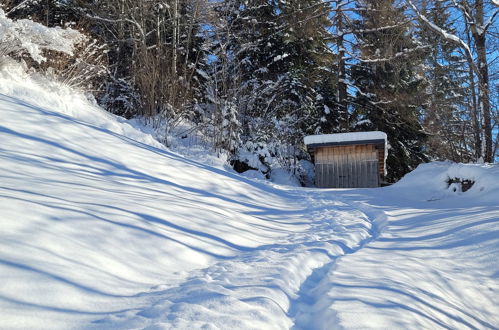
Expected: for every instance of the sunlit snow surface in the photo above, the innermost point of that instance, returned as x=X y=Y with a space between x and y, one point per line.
x=102 y=228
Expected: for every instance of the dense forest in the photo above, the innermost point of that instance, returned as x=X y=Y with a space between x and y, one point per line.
x=255 y=77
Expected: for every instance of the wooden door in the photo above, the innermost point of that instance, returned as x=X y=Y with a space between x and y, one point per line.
x=347 y=167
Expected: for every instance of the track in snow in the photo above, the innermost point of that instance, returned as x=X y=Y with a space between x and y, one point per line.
x=102 y=228
x=266 y=287
x=434 y=265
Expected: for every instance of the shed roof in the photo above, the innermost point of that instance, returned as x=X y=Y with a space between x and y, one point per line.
x=346 y=138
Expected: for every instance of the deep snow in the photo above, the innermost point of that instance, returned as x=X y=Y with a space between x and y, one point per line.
x=102 y=227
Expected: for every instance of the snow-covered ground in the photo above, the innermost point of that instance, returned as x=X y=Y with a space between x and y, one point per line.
x=102 y=227
x=433 y=264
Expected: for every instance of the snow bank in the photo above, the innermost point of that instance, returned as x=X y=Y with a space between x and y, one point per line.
x=345 y=137
x=37 y=90
x=283 y=177
x=431 y=181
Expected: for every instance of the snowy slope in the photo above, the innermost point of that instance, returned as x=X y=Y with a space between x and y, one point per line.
x=104 y=228
x=101 y=230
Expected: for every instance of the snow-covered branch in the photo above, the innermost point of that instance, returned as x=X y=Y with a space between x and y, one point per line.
x=22 y=5
x=27 y=36
x=446 y=35
x=382 y=28
x=119 y=20
x=477 y=27
x=396 y=55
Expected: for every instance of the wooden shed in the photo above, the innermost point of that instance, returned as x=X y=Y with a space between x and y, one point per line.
x=348 y=160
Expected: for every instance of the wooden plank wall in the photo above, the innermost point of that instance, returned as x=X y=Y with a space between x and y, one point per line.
x=353 y=166
x=381 y=158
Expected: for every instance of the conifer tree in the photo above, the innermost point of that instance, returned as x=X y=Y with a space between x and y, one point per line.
x=342 y=29
x=276 y=61
x=446 y=118
x=390 y=88
x=306 y=45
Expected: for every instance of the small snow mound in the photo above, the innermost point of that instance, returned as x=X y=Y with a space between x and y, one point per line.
x=283 y=177
x=436 y=180
x=253 y=174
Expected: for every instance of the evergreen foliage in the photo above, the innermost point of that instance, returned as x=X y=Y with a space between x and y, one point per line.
x=256 y=76
x=446 y=116
x=390 y=88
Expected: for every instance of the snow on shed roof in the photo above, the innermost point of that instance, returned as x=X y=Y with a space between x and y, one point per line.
x=344 y=138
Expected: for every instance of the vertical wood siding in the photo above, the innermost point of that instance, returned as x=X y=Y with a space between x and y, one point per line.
x=355 y=166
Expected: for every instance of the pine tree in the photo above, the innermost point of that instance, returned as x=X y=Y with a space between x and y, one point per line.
x=272 y=61
x=390 y=88
x=446 y=118
x=274 y=55
x=341 y=27
x=474 y=19
x=306 y=44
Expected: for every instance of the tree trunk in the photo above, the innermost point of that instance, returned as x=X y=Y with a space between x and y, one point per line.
x=483 y=80
x=175 y=38
x=474 y=111
x=342 y=86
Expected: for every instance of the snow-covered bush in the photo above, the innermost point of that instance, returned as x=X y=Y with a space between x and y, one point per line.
x=274 y=145
x=120 y=97
x=272 y=157
x=25 y=37
x=255 y=155
x=85 y=70
x=65 y=55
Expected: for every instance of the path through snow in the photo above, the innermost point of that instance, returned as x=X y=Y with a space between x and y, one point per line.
x=262 y=288
x=104 y=228
x=145 y=237
x=433 y=265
